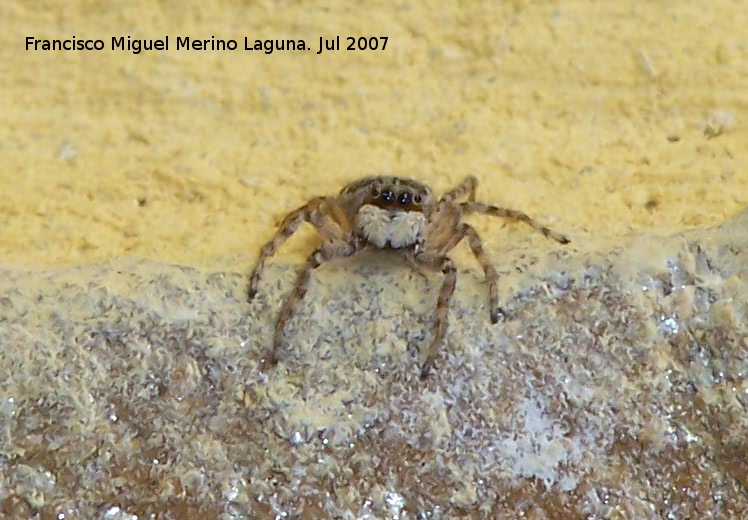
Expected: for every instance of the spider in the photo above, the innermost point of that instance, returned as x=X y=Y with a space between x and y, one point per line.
x=395 y=214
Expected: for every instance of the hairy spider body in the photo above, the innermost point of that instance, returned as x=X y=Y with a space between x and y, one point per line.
x=395 y=214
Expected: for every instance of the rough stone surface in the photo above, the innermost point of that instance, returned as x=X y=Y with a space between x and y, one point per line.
x=616 y=388
x=602 y=116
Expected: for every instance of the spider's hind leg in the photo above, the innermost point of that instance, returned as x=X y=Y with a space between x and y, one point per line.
x=466 y=187
x=513 y=214
x=492 y=277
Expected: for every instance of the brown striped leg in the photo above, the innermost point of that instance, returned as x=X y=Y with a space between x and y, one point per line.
x=445 y=265
x=479 y=207
x=325 y=253
x=466 y=187
x=492 y=277
x=309 y=212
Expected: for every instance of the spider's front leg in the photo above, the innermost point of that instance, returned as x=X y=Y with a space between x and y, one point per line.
x=310 y=212
x=443 y=264
x=327 y=252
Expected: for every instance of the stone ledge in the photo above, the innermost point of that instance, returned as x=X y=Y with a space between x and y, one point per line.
x=616 y=388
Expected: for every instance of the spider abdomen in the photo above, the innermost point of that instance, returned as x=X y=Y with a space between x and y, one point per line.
x=386 y=228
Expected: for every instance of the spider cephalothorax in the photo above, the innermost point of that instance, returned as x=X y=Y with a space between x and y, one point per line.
x=399 y=215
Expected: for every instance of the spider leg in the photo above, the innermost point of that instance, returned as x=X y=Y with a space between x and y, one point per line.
x=479 y=207
x=492 y=277
x=466 y=187
x=443 y=264
x=311 y=212
x=327 y=252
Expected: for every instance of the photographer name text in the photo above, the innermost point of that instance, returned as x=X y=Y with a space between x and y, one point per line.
x=187 y=43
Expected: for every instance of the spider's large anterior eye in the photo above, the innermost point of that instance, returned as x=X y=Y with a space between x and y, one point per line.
x=387 y=196
x=405 y=198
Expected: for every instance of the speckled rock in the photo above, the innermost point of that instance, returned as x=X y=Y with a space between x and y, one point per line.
x=616 y=388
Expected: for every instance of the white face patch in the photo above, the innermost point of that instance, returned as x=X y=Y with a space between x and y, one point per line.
x=384 y=228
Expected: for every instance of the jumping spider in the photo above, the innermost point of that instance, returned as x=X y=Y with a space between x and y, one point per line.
x=399 y=215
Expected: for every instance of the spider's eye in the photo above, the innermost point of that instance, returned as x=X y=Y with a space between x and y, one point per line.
x=387 y=196
x=417 y=198
x=405 y=198
x=375 y=192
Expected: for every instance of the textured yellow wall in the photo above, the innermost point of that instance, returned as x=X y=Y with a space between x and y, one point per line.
x=597 y=117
